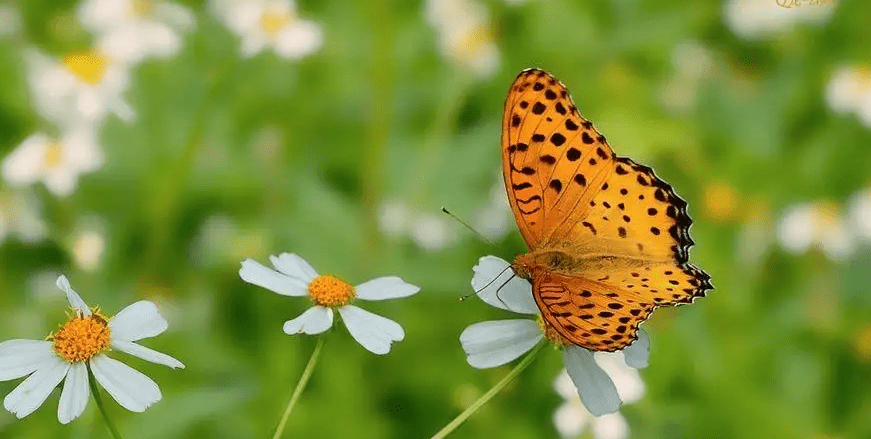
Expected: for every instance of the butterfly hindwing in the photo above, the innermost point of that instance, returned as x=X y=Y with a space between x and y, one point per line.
x=589 y=313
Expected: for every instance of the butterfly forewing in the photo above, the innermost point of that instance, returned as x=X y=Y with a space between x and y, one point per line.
x=551 y=156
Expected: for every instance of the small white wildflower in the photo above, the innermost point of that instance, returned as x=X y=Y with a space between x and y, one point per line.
x=849 y=90
x=465 y=35
x=494 y=343
x=271 y=24
x=83 y=88
x=55 y=162
x=816 y=224
x=295 y=277
x=79 y=345
x=572 y=417
x=21 y=216
x=130 y=31
x=758 y=19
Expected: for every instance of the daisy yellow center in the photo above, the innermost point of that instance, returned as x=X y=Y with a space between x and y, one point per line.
x=551 y=334
x=89 y=67
x=272 y=22
x=81 y=338
x=142 y=8
x=478 y=37
x=53 y=155
x=330 y=291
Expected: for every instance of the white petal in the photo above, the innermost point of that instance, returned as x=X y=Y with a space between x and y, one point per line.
x=637 y=354
x=75 y=300
x=373 y=332
x=611 y=426
x=627 y=380
x=33 y=391
x=137 y=321
x=507 y=291
x=74 y=397
x=299 y=40
x=570 y=418
x=494 y=343
x=595 y=387
x=254 y=273
x=314 y=320
x=294 y=266
x=146 y=354
x=22 y=357
x=130 y=388
x=24 y=165
x=390 y=287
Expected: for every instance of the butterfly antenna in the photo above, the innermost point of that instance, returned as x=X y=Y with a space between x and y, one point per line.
x=500 y=289
x=478 y=291
x=480 y=236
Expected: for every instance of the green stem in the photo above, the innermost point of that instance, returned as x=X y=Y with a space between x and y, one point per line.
x=448 y=429
x=92 y=382
x=303 y=380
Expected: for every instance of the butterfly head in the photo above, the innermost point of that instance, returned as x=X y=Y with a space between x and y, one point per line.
x=523 y=266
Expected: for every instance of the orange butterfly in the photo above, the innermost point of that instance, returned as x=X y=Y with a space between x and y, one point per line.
x=608 y=240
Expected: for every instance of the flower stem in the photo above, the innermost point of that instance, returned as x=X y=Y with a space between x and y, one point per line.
x=448 y=429
x=303 y=380
x=92 y=382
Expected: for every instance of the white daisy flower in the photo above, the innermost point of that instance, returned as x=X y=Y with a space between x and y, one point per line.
x=57 y=162
x=274 y=24
x=818 y=224
x=295 y=277
x=849 y=90
x=465 y=35
x=84 y=87
x=130 y=31
x=758 y=19
x=79 y=345
x=494 y=343
x=572 y=417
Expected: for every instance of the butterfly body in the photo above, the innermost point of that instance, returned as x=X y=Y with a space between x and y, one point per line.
x=609 y=241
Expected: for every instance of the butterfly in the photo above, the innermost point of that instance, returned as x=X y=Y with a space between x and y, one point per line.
x=608 y=239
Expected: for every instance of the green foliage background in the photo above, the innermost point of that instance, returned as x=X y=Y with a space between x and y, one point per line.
x=378 y=113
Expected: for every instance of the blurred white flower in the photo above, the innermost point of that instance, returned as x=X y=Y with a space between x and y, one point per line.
x=56 y=162
x=860 y=213
x=81 y=344
x=88 y=247
x=497 y=342
x=129 y=31
x=849 y=90
x=818 y=224
x=10 y=21
x=495 y=219
x=271 y=24
x=83 y=88
x=692 y=62
x=571 y=417
x=430 y=232
x=221 y=240
x=394 y=218
x=296 y=278
x=465 y=35
x=758 y=19
x=21 y=216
